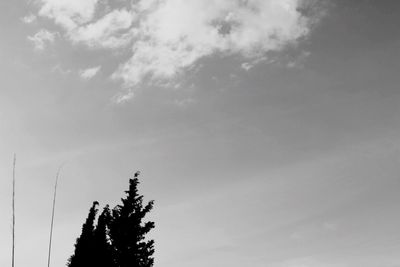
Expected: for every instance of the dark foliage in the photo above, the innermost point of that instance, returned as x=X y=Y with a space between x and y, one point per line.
x=119 y=239
x=102 y=246
x=127 y=230
x=84 y=249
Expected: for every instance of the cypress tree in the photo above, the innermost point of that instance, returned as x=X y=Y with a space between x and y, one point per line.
x=128 y=230
x=104 y=253
x=119 y=239
x=84 y=246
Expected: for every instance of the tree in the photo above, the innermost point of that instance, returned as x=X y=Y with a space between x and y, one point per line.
x=84 y=252
x=119 y=239
x=104 y=252
x=128 y=231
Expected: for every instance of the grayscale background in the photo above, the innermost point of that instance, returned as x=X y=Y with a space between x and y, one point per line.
x=267 y=131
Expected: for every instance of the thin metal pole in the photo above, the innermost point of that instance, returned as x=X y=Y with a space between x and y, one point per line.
x=52 y=215
x=13 y=214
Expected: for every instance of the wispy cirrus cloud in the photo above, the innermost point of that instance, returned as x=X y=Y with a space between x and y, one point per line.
x=167 y=37
x=42 y=38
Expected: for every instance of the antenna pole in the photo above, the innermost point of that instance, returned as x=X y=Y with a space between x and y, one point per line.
x=13 y=214
x=52 y=216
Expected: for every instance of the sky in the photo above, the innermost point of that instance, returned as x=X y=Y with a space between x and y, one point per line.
x=267 y=132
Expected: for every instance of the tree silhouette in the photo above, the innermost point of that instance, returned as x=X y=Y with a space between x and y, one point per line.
x=127 y=229
x=119 y=239
x=84 y=246
x=102 y=246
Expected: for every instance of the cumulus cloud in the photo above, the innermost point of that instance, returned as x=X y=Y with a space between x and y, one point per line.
x=42 y=38
x=167 y=37
x=89 y=73
x=175 y=34
x=78 y=19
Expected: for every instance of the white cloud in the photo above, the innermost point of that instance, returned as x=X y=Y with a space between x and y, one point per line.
x=42 y=38
x=68 y=13
x=107 y=31
x=247 y=66
x=174 y=34
x=170 y=36
x=89 y=73
x=123 y=97
x=29 y=19
x=77 y=17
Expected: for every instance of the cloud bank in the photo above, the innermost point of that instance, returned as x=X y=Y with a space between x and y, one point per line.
x=166 y=37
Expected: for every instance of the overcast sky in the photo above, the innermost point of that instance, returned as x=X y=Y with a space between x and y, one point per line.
x=267 y=131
